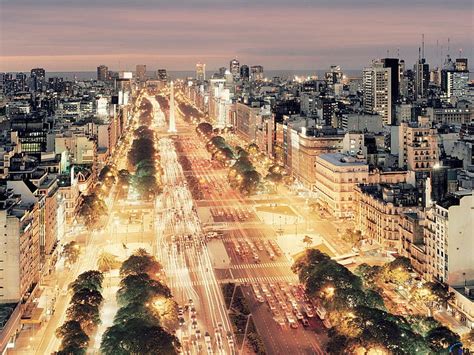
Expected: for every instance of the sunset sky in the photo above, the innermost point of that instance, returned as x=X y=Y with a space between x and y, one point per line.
x=78 y=35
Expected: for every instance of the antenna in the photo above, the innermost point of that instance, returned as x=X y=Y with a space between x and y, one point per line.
x=460 y=52
x=448 y=45
x=422 y=45
x=388 y=53
x=419 y=53
x=398 y=52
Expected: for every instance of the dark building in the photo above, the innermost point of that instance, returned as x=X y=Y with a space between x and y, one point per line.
x=162 y=74
x=422 y=78
x=244 y=72
x=393 y=64
x=38 y=79
x=102 y=73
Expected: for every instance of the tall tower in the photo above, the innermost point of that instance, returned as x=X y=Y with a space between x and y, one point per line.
x=172 y=128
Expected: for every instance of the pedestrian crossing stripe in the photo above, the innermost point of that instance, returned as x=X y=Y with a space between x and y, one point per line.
x=262 y=265
x=243 y=280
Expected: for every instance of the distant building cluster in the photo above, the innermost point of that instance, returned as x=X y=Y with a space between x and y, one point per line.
x=390 y=150
x=56 y=136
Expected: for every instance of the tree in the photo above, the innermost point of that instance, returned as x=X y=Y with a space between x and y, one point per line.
x=370 y=274
x=141 y=262
x=136 y=310
x=107 y=261
x=74 y=339
x=397 y=271
x=87 y=315
x=307 y=240
x=250 y=182
x=140 y=288
x=92 y=210
x=107 y=175
x=91 y=280
x=71 y=252
x=138 y=337
x=441 y=338
x=86 y=296
x=253 y=149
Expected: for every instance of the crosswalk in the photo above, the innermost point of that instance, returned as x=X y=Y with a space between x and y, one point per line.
x=178 y=284
x=262 y=265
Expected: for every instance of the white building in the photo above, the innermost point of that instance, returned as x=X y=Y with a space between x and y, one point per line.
x=377 y=87
x=449 y=240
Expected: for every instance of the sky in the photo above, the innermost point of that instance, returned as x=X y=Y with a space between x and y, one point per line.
x=78 y=35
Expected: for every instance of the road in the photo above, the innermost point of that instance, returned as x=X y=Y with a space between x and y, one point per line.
x=182 y=249
x=227 y=207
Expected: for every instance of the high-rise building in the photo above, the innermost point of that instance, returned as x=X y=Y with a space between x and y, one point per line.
x=200 y=71
x=377 y=88
x=234 y=68
x=256 y=72
x=102 y=73
x=244 y=72
x=161 y=74
x=422 y=78
x=141 y=72
x=457 y=84
x=38 y=80
x=394 y=65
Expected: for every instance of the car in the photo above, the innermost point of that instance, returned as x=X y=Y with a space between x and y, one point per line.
x=293 y=324
x=198 y=333
x=299 y=315
x=219 y=326
x=194 y=324
x=305 y=322
x=207 y=337
x=181 y=321
x=192 y=310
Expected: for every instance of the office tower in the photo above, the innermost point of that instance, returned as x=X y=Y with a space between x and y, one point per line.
x=162 y=75
x=234 y=68
x=422 y=73
x=244 y=72
x=377 y=88
x=394 y=65
x=457 y=84
x=461 y=64
x=172 y=123
x=38 y=79
x=256 y=72
x=334 y=75
x=102 y=73
x=200 y=71
x=141 y=72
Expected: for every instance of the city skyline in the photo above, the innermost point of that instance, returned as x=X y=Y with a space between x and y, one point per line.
x=176 y=36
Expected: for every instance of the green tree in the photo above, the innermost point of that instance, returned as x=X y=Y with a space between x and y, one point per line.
x=138 y=337
x=370 y=274
x=441 y=338
x=92 y=211
x=87 y=315
x=71 y=252
x=91 y=280
x=141 y=262
x=73 y=339
x=140 y=288
x=86 y=296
